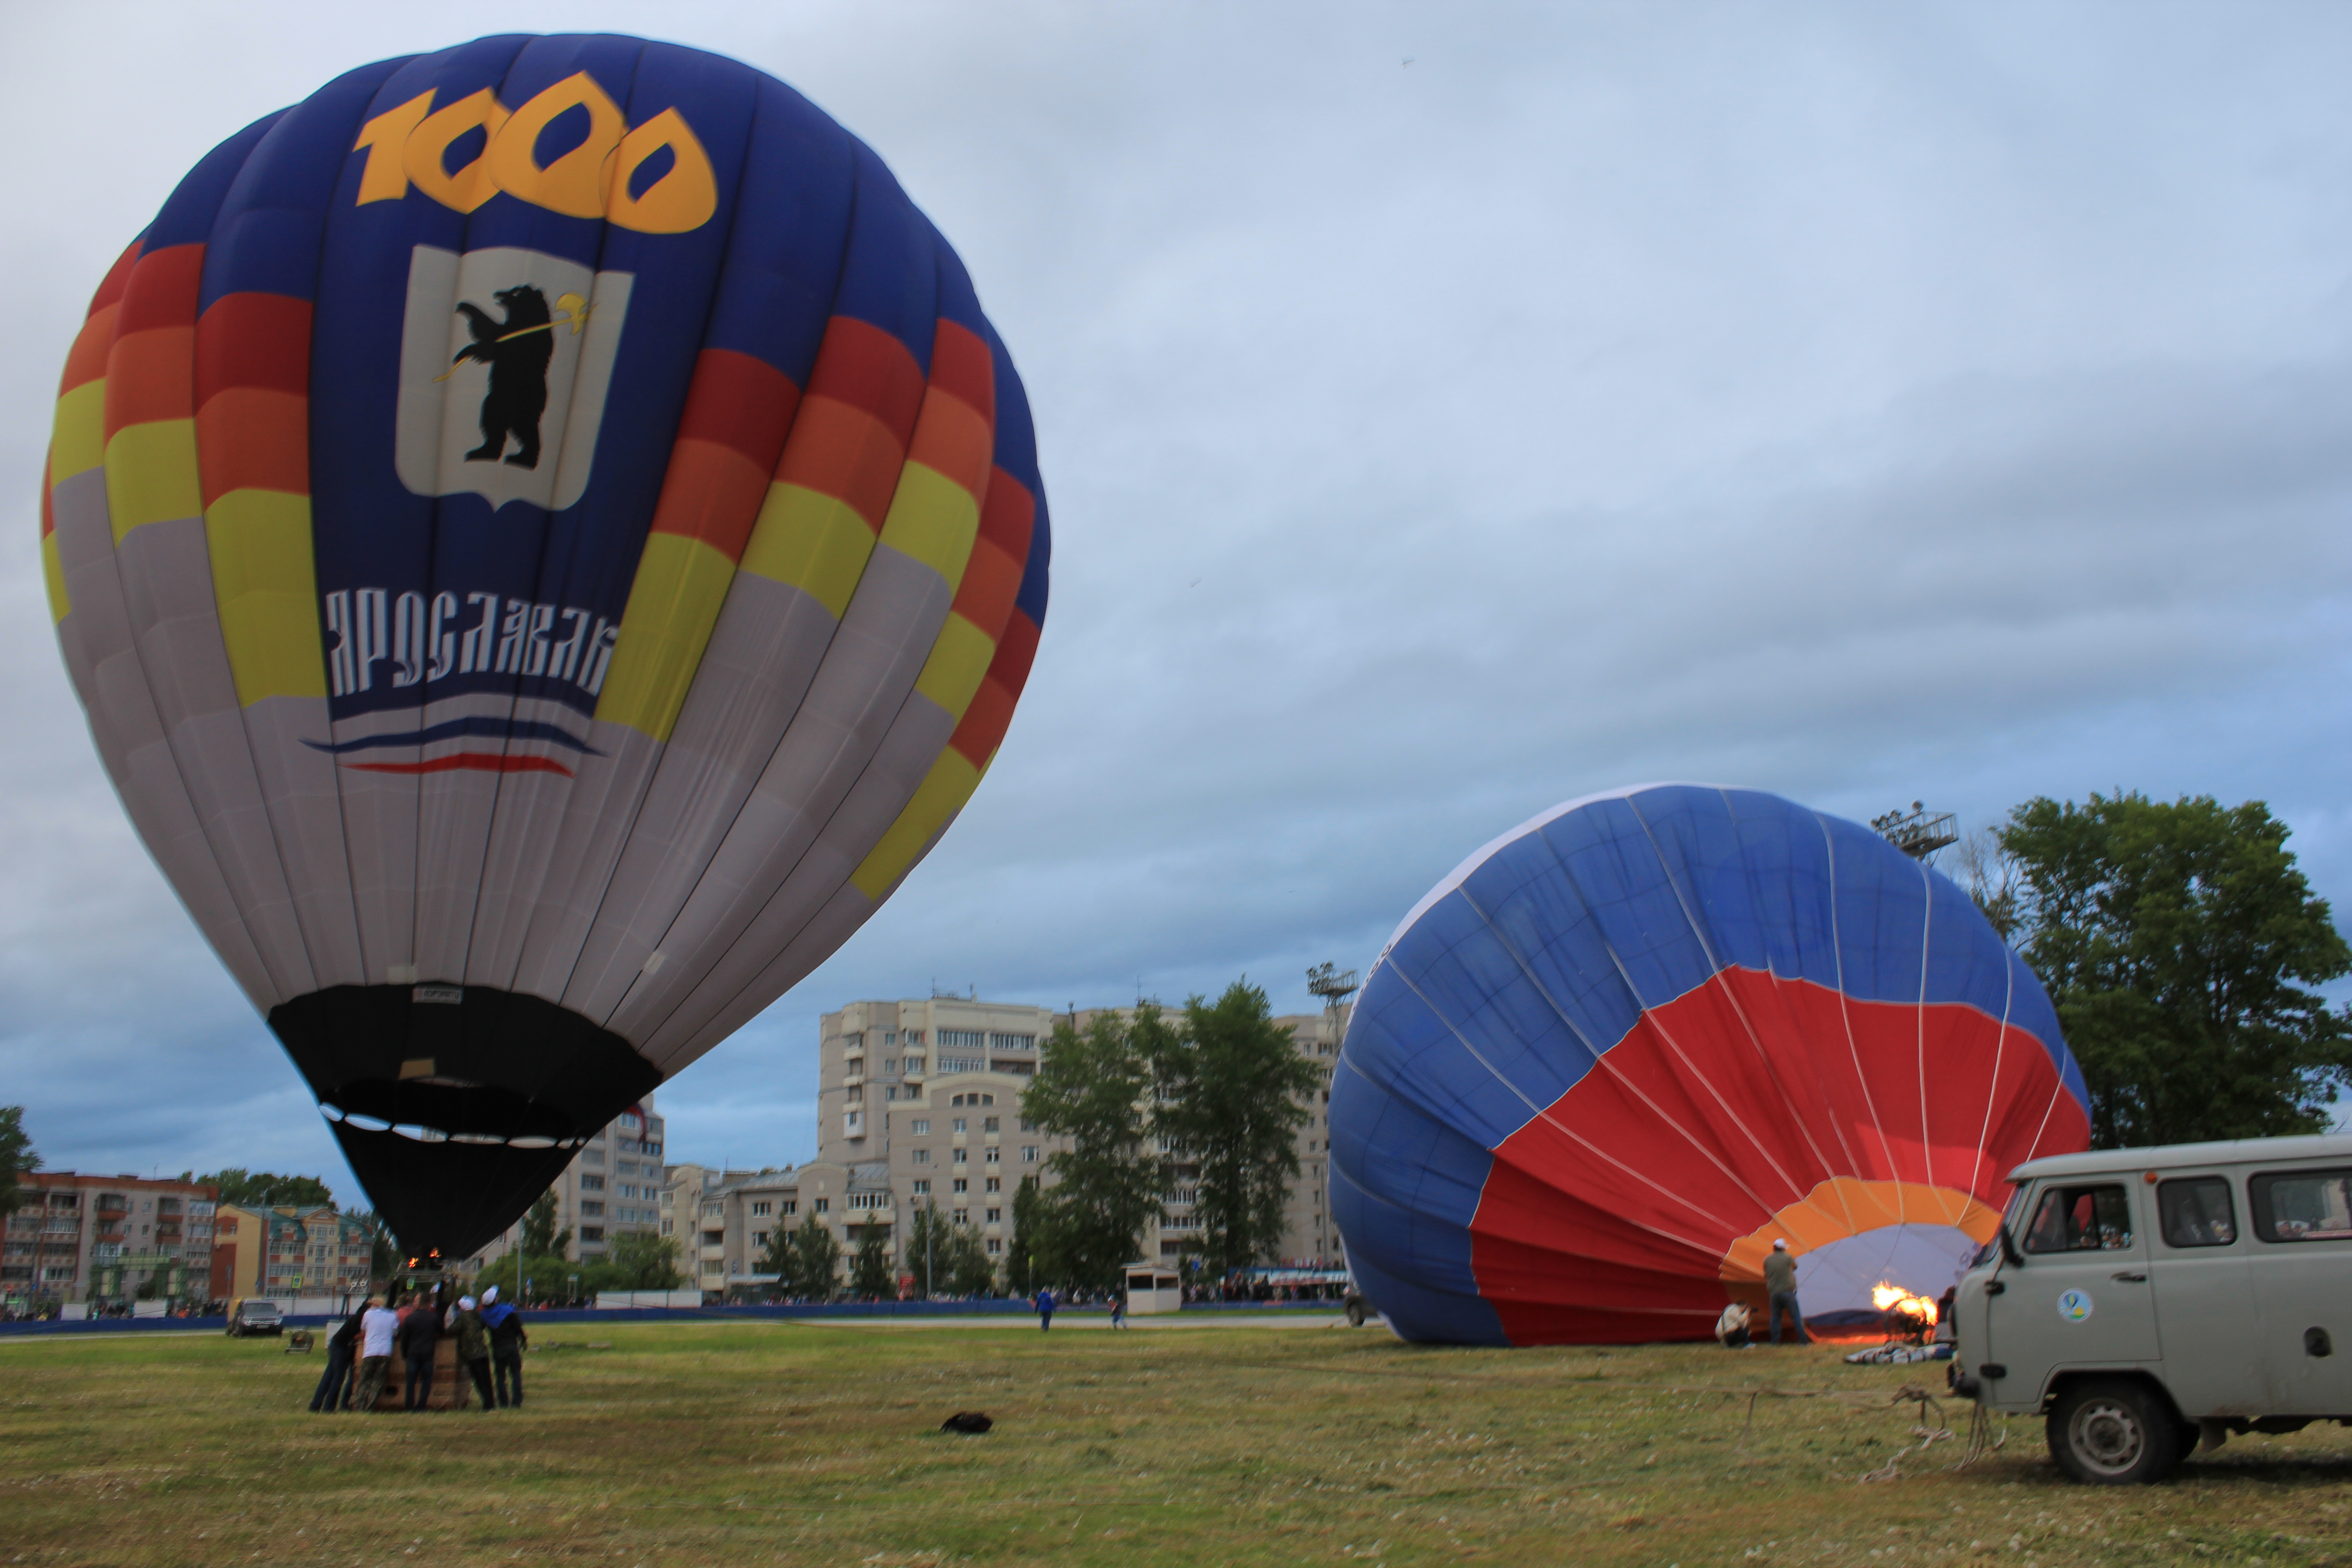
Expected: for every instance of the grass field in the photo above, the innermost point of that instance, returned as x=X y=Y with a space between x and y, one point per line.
x=778 y=1442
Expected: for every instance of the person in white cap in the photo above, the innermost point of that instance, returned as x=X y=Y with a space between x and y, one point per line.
x=473 y=1347
x=1780 y=1286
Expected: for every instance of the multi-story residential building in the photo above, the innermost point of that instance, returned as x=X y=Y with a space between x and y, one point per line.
x=725 y=1220
x=612 y=1187
x=288 y=1251
x=931 y=1091
x=111 y=1234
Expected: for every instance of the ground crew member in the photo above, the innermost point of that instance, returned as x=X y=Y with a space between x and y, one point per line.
x=508 y=1341
x=377 y=1326
x=1780 y=1280
x=473 y=1347
x=1731 y=1328
x=420 y=1334
x=335 y=1384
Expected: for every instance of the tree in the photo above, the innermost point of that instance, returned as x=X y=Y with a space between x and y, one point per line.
x=1033 y=1252
x=926 y=1248
x=1233 y=1093
x=17 y=1158
x=642 y=1261
x=968 y=1271
x=776 y=1256
x=539 y=1236
x=1991 y=875
x=266 y=1190
x=1090 y=1088
x=870 y=1271
x=816 y=1264
x=2170 y=937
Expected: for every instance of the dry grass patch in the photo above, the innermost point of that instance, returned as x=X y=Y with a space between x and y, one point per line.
x=769 y=1442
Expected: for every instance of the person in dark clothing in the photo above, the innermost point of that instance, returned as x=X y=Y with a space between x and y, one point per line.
x=1780 y=1288
x=1046 y=1304
x=335 y=1390
x=420 y=1335
x=508 y=1341
x=473 y=1346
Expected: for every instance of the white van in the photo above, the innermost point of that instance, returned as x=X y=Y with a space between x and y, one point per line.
x=2147 y=1299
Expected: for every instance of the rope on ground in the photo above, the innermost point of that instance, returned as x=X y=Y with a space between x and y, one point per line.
x=1982 y=1442
x=1928 y=1437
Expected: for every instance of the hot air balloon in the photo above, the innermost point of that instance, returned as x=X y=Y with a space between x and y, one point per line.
x=546 y=539
x=1599 y=1068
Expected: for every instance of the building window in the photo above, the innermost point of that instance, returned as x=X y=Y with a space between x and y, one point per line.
x=1013 y=1042
x=921 y=1125
x=665 y=1228
x=889 y=1064
x=961 y=1185
x=988 y=1155
x=996 y=1186
x=988 y=1124
x=789 y=1206
x=714 y=1239
x=922 y=1156
x=856 y=1093
x=996 y=1216
x=592 y=1233
x=1028 y=1125
x=968 y=1040
x=1029 y=1154
x=589 y=1207
x=914 y=1037
x=758 y=1239
x=923 y=1187
x=889 y=1091
x=964 y=1064
x=960 y=1125
x=963 y=1217
x=591 y=1157
x=711 y=1211
x=957 y=1157
x=821 y=1207
x=760 y=1208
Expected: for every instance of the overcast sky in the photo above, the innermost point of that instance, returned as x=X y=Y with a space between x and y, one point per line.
x=1446 y=411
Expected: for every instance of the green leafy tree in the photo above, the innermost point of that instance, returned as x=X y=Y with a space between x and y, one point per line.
x=1032 y=1255
x=871 y=1274
x=969 y=1270
x=1233 y=1092
x=2172 y=938
x=265 y=1189
x=641 y=1261
x=815 y=1265
x=1090 y=1087
x=776 y=1256
x=926 y=1248
x=539 y=1227
x=381 y=1259
x=17 y=1158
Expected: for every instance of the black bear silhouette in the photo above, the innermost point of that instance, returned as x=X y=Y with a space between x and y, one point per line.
x=517 y=349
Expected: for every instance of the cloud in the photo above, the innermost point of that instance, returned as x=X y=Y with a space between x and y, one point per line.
x=1869 y=404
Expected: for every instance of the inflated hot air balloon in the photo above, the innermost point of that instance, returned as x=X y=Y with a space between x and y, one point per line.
x=1623 y=1048
x=546 y=539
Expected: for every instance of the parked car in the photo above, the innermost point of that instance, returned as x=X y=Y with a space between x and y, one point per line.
x=255 y=1315
x=2147 y=1301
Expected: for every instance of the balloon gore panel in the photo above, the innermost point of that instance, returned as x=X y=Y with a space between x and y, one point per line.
x=1605 y=1064
x=546 y=539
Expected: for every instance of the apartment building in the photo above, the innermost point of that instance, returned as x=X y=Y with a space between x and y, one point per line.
x=725 y=1220
x=77 y=1235
x=930 y=1090
x=288 y=1251
x=612 y=1188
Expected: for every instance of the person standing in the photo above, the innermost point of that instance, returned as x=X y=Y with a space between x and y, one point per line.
x=378 y=1324
x=1781 y=1284
x=1118 y=1309
x=334 y=1389
x=1044 y=1308
x=508 y=1341
x=473 y=1346
x=420 y=1336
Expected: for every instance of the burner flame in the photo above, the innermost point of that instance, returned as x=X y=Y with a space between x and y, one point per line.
x=1891 y=1297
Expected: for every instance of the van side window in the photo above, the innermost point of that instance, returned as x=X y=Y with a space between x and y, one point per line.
x=2196 y=1211
x=2302 y=1206
x=2072 y=1219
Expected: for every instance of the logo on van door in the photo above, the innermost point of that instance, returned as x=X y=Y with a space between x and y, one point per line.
x=2074 y=1305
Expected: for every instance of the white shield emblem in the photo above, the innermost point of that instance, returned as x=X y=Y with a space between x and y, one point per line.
x=505 y=356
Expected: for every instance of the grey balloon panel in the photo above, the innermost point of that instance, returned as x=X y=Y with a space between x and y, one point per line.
x=306 y=816
x=167 y=586
x=102 y=658
x=886 y=636
x=764 y=651
x=597 y=820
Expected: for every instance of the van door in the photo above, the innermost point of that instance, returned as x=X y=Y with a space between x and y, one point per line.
x=2081 y=1296
x=2300 y=1264
x=2205 y=1299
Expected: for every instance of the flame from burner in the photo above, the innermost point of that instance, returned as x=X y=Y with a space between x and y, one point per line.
x=1891 y=1297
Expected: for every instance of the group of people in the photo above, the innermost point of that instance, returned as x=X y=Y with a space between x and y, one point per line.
x=1734 y=1329
x=490 y=1343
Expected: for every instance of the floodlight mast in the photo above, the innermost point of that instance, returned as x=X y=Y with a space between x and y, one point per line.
x=1918 y=834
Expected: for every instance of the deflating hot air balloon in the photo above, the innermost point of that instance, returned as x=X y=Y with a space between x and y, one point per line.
x=1621 y=1049
x=546 y=539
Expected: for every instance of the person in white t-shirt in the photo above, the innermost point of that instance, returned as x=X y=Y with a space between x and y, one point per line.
x=377 y=1326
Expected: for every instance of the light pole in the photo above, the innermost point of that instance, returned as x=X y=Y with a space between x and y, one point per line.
x=930 y=1226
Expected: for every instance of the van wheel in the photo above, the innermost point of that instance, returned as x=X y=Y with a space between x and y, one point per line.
x=2114 y=1432
x=1355 y=1314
